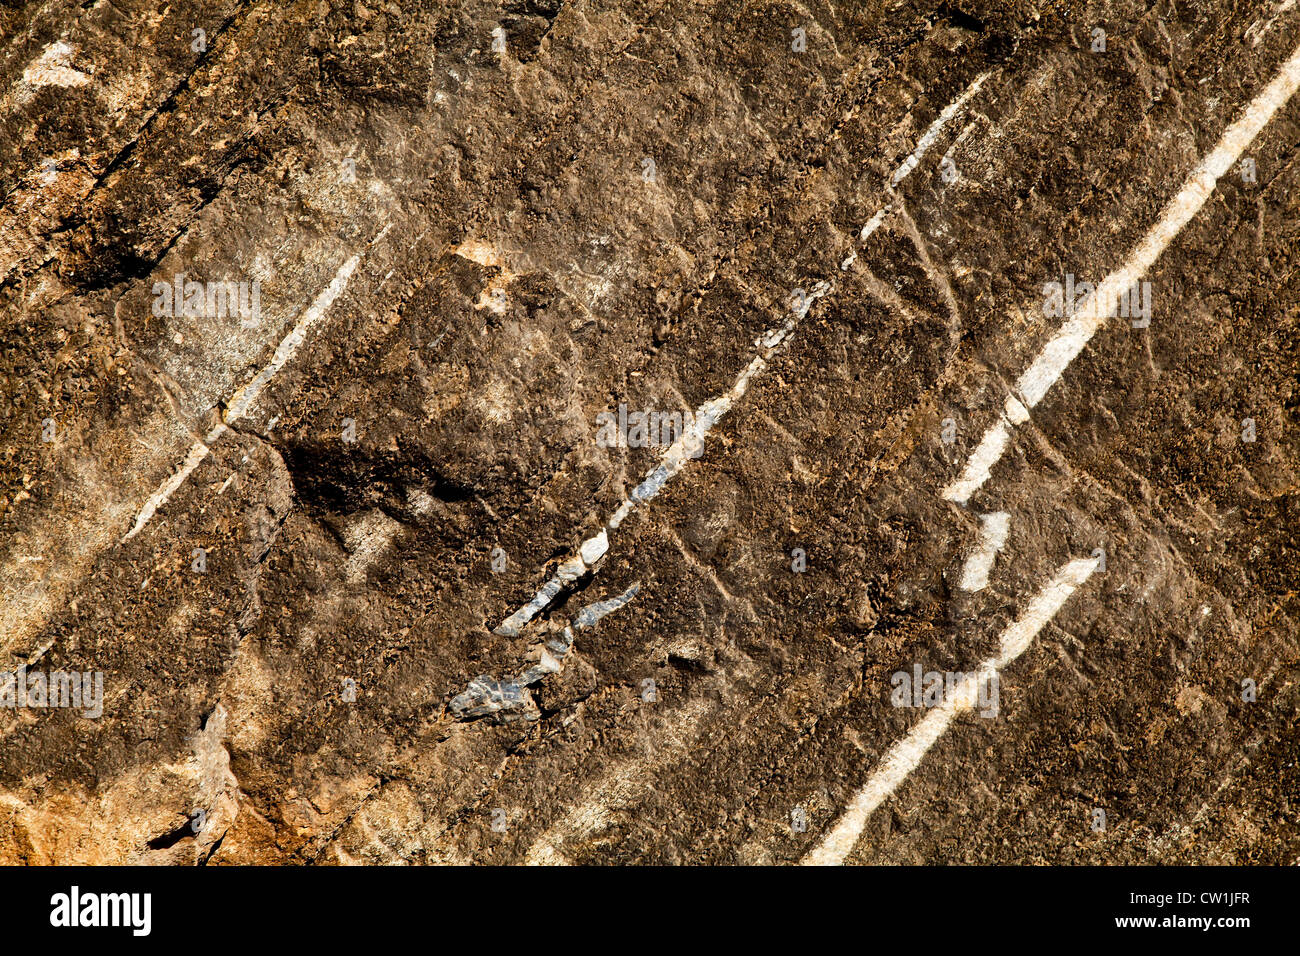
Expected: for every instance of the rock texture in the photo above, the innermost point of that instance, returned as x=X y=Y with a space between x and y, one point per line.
x=287 y=537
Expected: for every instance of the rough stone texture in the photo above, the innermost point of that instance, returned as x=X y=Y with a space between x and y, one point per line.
x=517 y=277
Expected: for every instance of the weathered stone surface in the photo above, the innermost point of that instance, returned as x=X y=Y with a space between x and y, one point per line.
x=484 y=250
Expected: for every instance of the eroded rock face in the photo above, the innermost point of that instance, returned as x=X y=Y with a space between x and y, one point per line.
x=311 y=316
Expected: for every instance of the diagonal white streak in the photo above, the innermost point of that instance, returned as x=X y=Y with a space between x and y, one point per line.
x=994 y=528
x=1091 y=315
x=242 y=401
x=690 y=444
x=906 y=755
x=932 y=134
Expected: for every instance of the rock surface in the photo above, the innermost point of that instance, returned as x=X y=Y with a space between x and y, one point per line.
x=287 y=537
